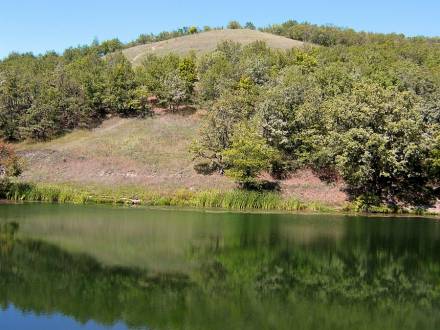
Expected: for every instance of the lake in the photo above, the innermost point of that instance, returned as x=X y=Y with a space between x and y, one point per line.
x=103 y=267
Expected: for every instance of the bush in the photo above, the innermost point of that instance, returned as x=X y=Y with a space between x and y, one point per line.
x=193 y=30
x=206 y=167
x=10 y=164
x=234 y=25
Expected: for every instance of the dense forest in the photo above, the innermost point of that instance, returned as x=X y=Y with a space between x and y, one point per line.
x=361 y=107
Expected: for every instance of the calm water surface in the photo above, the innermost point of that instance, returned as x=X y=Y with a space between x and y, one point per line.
x=100 y=267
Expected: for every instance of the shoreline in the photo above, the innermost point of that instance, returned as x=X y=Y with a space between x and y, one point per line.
x=232 y=200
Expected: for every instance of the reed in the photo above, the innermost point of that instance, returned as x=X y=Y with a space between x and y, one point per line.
x=235 y=199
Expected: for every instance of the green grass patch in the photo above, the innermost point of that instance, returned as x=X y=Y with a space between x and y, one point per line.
x=234 y=199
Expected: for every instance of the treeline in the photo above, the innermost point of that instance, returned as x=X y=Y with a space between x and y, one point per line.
x=368 y=114
x=324 y=35
x=364 y=111
x=44 y=96
x=329 y=35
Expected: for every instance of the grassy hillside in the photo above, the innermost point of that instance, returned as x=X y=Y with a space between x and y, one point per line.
x=207 y=41
x=150 y=154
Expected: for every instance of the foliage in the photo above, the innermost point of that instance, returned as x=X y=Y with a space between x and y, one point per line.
x=43 y=97
x=366 y=113
x=234 y=25
x=365 y=107
x=248 y=155
x=250 y=26
x=193 y=30
x=235 y=199
x=329 y=35
x=165 y=35
x=10 y=164
x=377 y=142
x=120 y=80
x=170 y=78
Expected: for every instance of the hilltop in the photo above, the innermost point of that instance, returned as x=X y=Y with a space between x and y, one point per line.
x=205 y=42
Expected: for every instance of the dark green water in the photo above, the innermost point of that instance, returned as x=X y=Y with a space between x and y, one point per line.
x=98 y=267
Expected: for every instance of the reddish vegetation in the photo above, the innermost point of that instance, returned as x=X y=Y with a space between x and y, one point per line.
x=306 y=186
x=9 y=162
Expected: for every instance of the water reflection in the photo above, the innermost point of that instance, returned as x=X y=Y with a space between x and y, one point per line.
x=196 y=270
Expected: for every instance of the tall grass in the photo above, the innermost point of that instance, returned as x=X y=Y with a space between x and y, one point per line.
x=235 y=199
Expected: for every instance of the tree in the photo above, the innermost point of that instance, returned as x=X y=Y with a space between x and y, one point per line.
x=15 y=99
x=109 y=46
x=154 y=72
x=188 y=73
x=377 y=141
x=250 y=26
x=170 y=78
x=174 y=91
x=193 y=30
x=216 y=75
x=10 y=164
x=139 y=102
x=119 y=84
x=248 y=155
x=234 y=25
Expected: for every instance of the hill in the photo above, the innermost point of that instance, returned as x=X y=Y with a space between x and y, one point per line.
x=150 y=154
x=207 y=41
x=363 y=113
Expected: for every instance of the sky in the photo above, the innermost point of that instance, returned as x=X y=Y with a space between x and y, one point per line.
x=42 y=25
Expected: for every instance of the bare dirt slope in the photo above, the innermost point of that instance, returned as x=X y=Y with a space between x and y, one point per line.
x=207 y=41
x=151 y=154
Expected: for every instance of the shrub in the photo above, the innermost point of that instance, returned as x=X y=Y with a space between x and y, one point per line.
x=234 y=25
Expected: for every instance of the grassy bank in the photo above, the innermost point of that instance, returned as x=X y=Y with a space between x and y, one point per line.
x=234 y=199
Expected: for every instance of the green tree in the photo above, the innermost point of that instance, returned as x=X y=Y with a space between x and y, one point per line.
x=120 y=83
x=248 y=155
x=377 y=141
x=217 y=74
x=234 y=25
x=174 y=91
x=188 y=73
x=250 y=26
x=154 y=72
x=109 y=46
x=193 y=30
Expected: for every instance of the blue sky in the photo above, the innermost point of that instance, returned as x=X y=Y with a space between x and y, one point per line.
x=42 y=25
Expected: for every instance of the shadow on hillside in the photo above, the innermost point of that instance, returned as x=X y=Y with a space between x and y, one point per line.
x=263 y=185
x=183 y=110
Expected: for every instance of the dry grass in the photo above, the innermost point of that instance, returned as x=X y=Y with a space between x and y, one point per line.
x=306 y=186
x=133 y=155
x=207 y=41
x=151 y=153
